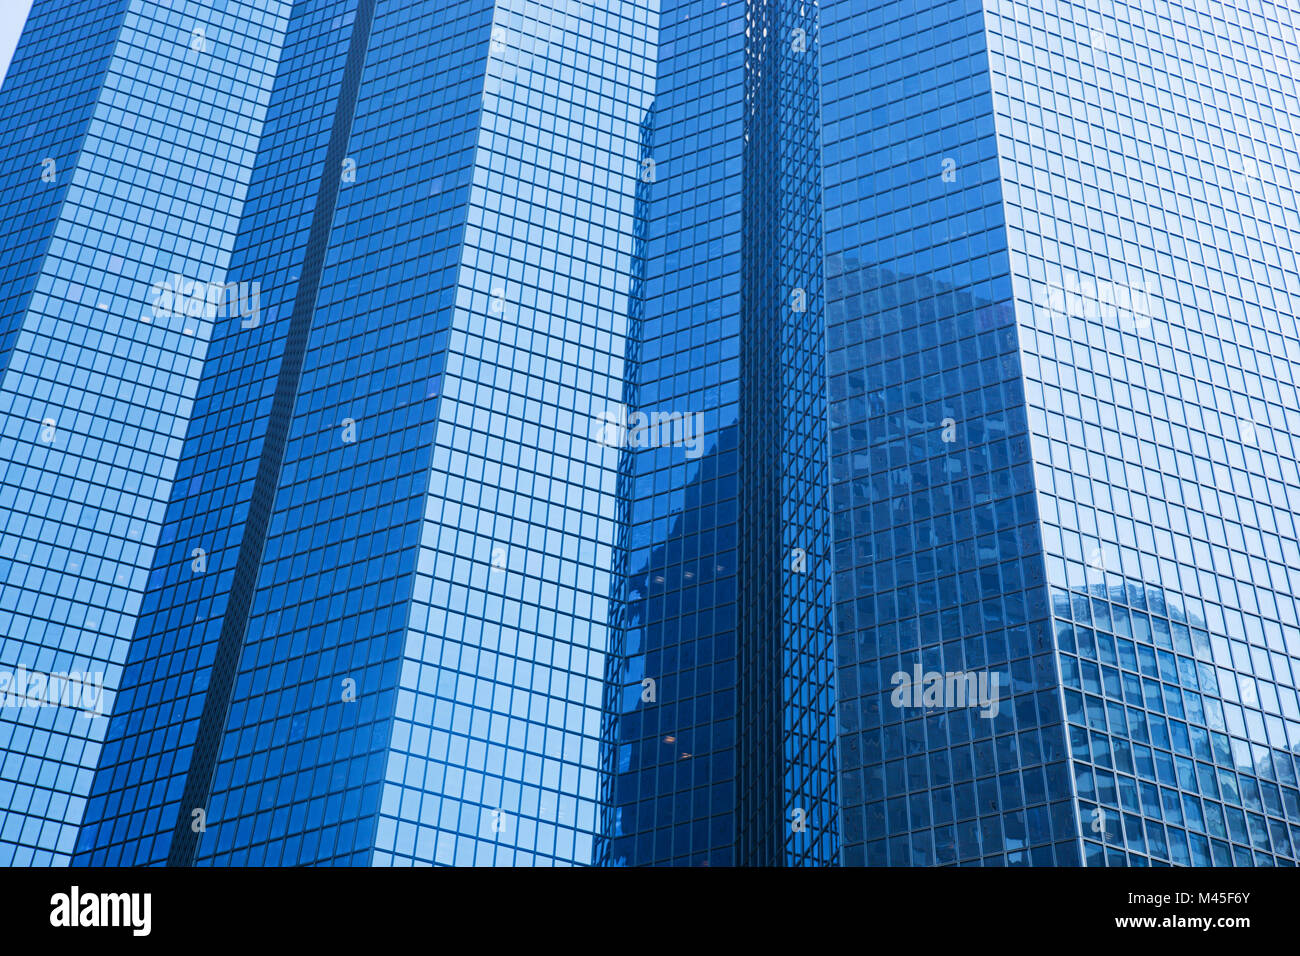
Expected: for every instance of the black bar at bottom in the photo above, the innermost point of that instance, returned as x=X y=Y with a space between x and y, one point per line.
x=450 y=909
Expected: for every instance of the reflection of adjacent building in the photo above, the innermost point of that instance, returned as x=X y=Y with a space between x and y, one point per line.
x=937 y=564
x=725 y=567
x=430 y=639
x=670 y=758
x=1166 y=742
x=1183 y=741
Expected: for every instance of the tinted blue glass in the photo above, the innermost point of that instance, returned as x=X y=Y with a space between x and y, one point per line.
x=671 y=741
x=150 y=747
x=494 y=751
x=1156 y=292
x=393 y=652
x=809 y=821
x=676 y=432
x=130 y=214
x=938 y=569
x=719 y=739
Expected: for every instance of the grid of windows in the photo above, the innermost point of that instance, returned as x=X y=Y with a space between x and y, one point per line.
x=303 y=748
x=33 y=812
x=936 y=546
x=759 y=719
x=386 y=705
x=101 y=374
x=494 y=750
x=1149 y=158
x=1170 y=763
x=48 y=97
x=719 y=748
x=808 y=689
x=974 y=326
x=670 y=745
x=135 y=799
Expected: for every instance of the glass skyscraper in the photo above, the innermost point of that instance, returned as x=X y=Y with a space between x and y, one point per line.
x=130 y=134
x=395 y=651
x=650 y=432
x=1061 y=322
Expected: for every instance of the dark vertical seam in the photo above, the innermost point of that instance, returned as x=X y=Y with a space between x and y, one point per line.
x=234 y=625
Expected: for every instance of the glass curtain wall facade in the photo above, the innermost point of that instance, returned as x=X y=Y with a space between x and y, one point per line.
x=719 y=733
x=1149 y=162
x=394 y=653
x=938 y=558
x=494 y=750
x=123 y=201
x=671 y=715
x=652 y=432
x=1061 y=331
